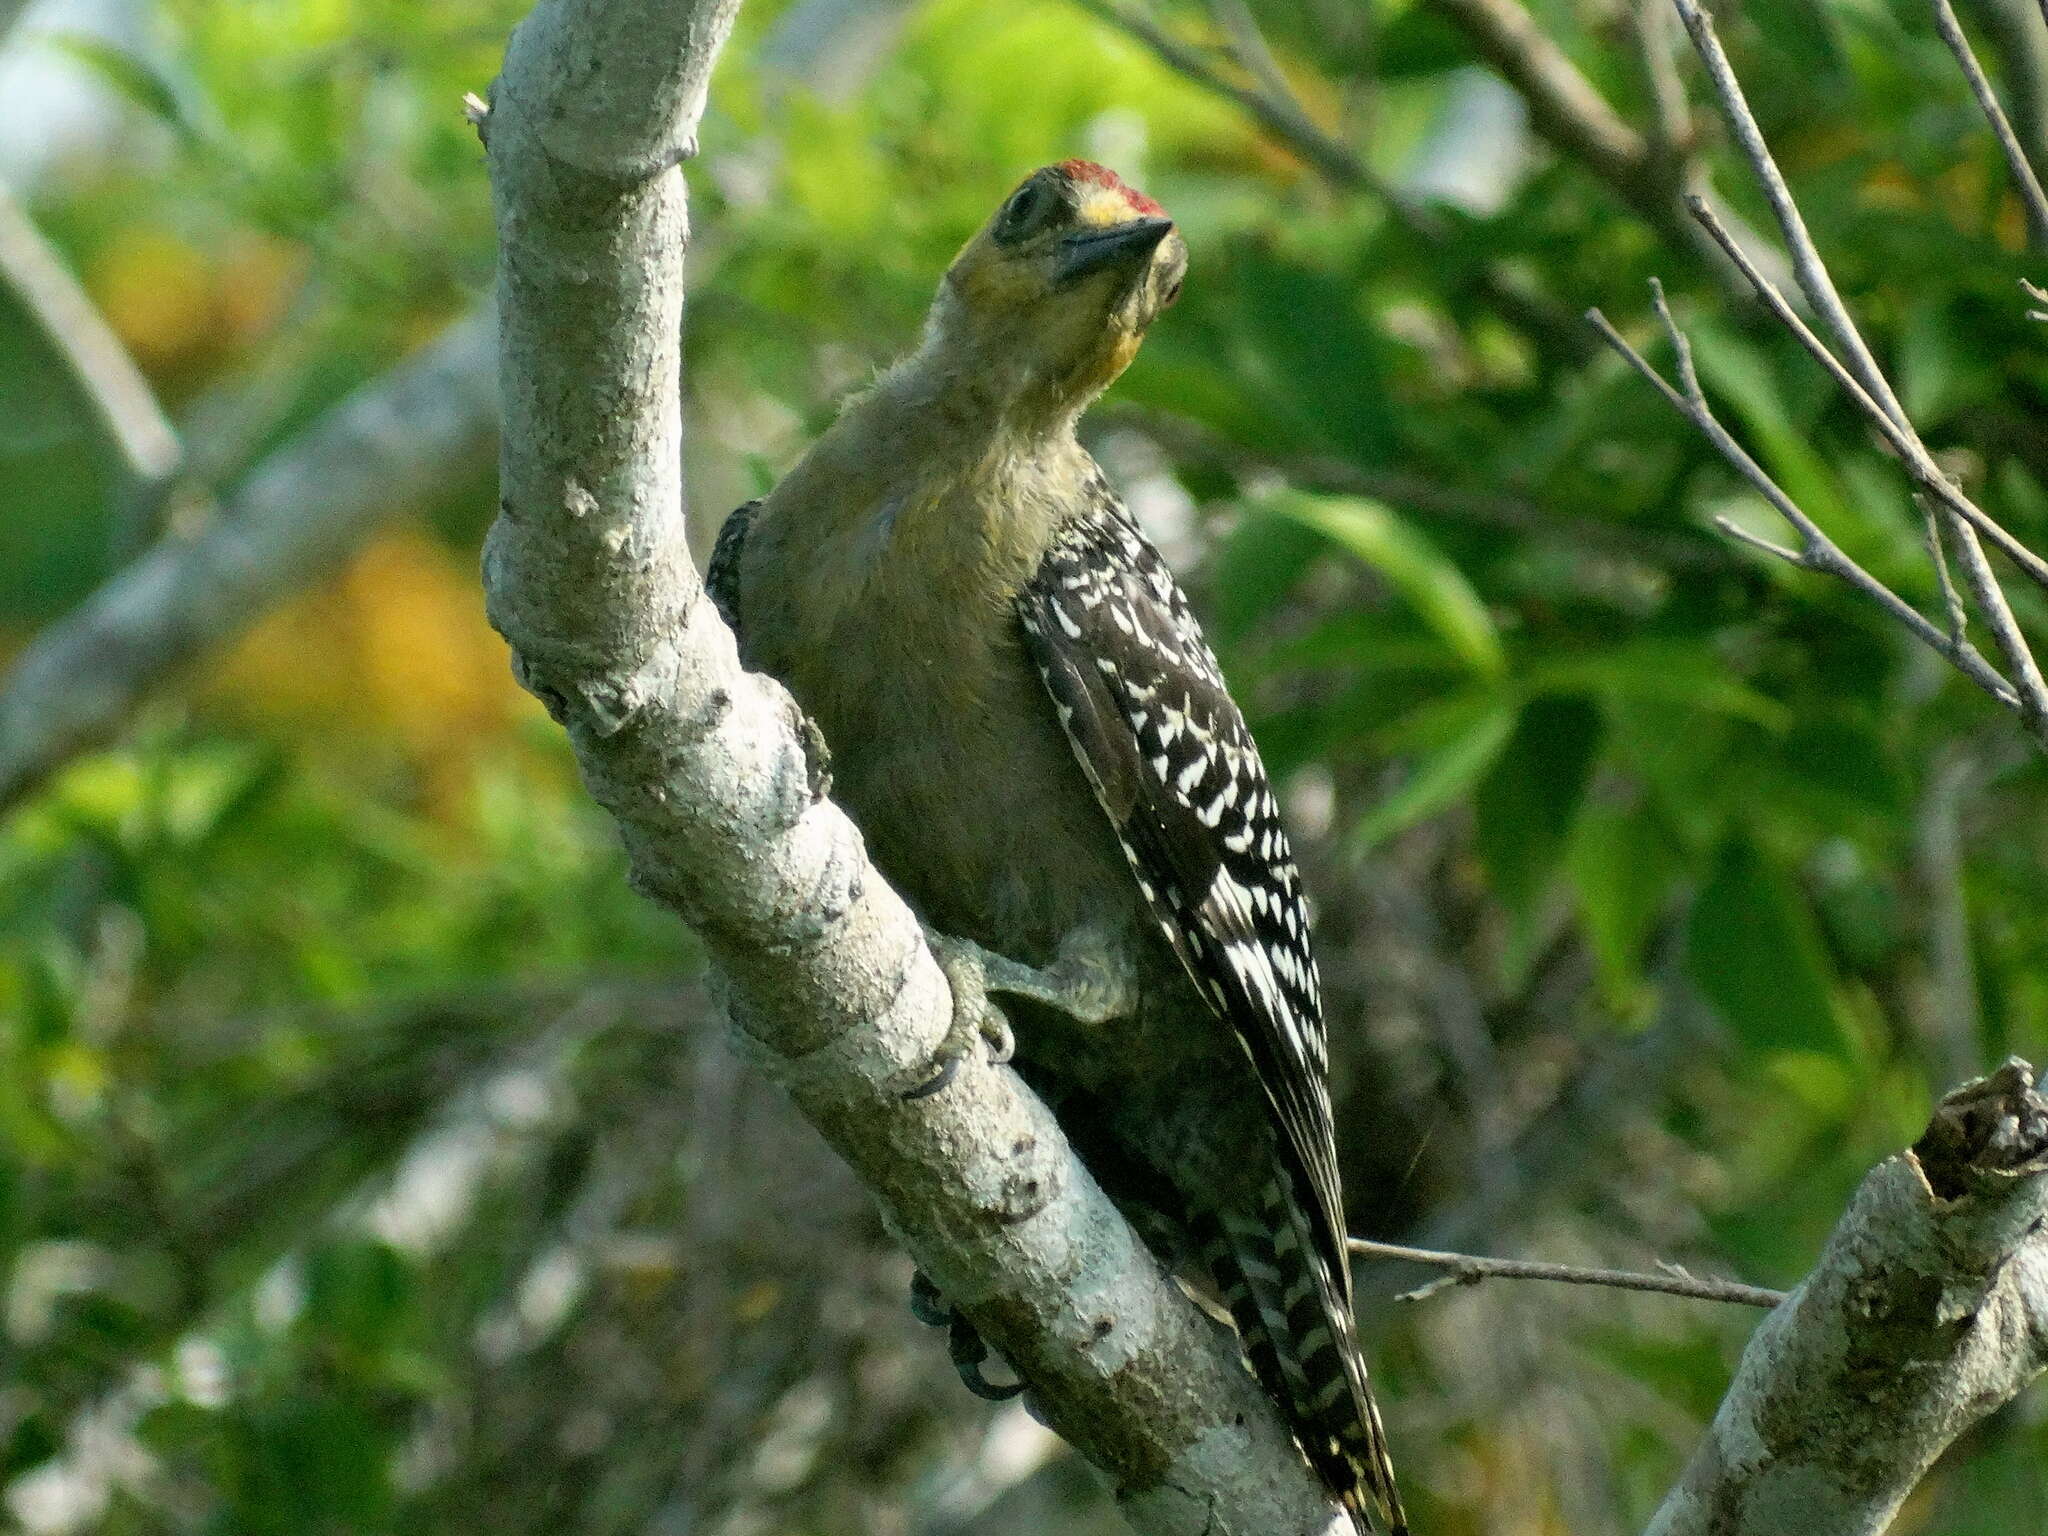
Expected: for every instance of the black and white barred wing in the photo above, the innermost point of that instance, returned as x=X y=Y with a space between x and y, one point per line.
x=1146 y=709
x=1163 y=744
x=722 y=574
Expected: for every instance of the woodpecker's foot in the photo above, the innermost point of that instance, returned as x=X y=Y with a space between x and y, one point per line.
x=967 y=1347
x=976 y=1020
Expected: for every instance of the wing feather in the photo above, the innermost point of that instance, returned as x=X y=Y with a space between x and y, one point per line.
x=1153 y=725
x=722 y=574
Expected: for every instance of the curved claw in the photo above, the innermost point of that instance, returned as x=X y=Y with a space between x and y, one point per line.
x=928 y=1303
x=975 y=1018
x=948 y=1066
x=969 y=1351
x=1002 y=1040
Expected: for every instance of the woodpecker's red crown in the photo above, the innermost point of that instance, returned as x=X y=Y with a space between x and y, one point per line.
x=1103 y=176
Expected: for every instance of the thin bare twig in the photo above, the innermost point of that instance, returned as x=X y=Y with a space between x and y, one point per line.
x=2005 y=629
x=2016 y=161
x=1816 y=551
x=1856 y=369
x=1937 y=552
x=1812 y=274
x=1807 y=267
x=1470 y=1269
x=1913 y=453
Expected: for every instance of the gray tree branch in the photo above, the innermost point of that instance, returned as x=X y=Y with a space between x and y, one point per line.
x=1928 y=1309
x=723 y=811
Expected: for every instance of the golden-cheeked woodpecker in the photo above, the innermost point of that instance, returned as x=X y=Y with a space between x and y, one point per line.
x=1027 y=724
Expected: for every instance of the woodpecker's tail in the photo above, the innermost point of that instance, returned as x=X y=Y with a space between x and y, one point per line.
x=1294 y=1318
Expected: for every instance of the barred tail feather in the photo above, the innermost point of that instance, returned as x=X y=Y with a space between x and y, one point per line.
x=1294 y=1321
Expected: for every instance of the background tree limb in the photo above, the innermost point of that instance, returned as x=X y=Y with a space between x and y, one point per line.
x=105 y=376
x=295 y=519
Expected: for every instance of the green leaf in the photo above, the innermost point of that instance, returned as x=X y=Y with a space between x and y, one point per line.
x=1622 y=865
x=1312 y=358
x=1526 y=805
x=1752 y=950
x=1661 y=671
x=1473 y=734
x=1414 y=567
x=135 y=79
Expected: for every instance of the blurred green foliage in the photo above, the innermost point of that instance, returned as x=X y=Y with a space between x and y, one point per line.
x=1688 y=824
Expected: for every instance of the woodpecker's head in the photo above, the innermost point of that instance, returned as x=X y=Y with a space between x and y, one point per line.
x=1057 y=290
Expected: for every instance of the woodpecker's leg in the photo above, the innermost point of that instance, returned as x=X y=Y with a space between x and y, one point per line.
x=1088 y=981
x=963 y=1343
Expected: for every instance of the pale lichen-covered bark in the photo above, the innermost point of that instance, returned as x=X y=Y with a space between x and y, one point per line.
x=1928 y=1309
x=721 y=806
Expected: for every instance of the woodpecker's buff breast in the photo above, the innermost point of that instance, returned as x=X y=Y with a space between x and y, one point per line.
x=1029 y=728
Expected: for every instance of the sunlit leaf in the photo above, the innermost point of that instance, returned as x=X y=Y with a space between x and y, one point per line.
x=1432 y=584
x=1472 y=735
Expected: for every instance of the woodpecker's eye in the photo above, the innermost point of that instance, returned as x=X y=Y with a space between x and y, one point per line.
x=1028 y=212
x=1172 y=292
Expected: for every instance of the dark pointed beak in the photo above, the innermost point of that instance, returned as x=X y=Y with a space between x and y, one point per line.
x=1122 y=246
